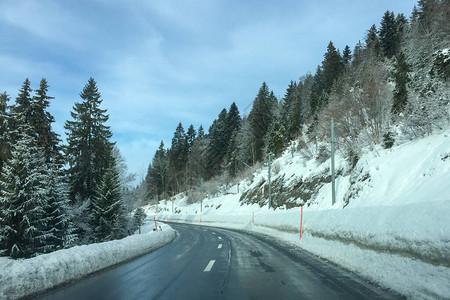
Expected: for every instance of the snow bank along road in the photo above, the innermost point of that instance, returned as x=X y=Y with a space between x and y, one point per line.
x=213 y=263
x=24 y=277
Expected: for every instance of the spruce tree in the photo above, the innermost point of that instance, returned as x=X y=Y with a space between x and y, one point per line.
x=190 y=136
x=427 y=11
x=109 y=220
x=23 y=102
x=59 y=227
x=201 y=133
x=287 y=107
x=4 y=141
x=316 y=96
x=401 y=77
x=178 y=154
x=218 y=136
x=276 y=138
x=347 y=55
x=388 y=35
x=332 y=67
x=233 y=125
x=232 y=166
x=244 y=153
x=41 y=121
x=233 y=121
x=157 y=172
x=260 y=118
x=298 y=114
x=327 y=73
x=358 y=54
x=89 y=156
x=197 y=160
x=22 y=196
x=373 y=42
x=89 y=150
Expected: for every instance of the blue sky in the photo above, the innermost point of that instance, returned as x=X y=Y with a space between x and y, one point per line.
x=158 y=63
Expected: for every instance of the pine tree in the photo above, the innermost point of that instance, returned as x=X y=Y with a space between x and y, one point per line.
x=22 y=107
x=292 y=110
x=190 y=137
x=347 y=55
x=41 y=121
x=401 y=76
x=178 y=154
x=22 y=196
x=358 y=52
x=109 y=221
x=275 y=138
x=197 y=160
x=233 y=124
x=233 y=121
x=232 y=153
x=316 y=97
x=260 y=118
x=332 y=67
x=299 y=112
x=401 y=24
x=388 y=35
x=89 y=155
x=244 y=153
x=373 y=42
x=24 y=101
x=4 y=141
x=89 y=149
x=201 y=133
x=59 y=228
x=157 y=172
x=427 y=10
x=218 y=136
x=287 y=106
x=327 y=73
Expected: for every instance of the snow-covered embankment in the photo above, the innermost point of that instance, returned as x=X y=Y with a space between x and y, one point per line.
x=20 y=278
x=390 y=223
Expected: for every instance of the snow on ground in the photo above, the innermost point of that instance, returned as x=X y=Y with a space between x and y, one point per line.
x=395 y=229
x=20 y=278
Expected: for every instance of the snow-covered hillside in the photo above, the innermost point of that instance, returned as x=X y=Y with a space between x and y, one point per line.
x=391 y=222
x=24 y=277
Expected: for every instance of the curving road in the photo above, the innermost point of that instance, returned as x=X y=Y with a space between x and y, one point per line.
x=213 y=263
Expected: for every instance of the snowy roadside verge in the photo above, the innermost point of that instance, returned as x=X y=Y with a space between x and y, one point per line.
x=389 y=229
x=20 y=278
x=407 y=275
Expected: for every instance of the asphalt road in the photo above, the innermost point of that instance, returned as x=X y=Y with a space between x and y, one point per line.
x=213 y=263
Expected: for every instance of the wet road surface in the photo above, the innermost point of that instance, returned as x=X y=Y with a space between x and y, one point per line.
x=213 y=263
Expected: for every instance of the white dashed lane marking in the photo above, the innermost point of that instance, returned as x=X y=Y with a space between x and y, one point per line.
x=209 y=266
x=220 y=246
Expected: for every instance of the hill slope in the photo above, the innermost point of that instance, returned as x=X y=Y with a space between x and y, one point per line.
x=390 y=222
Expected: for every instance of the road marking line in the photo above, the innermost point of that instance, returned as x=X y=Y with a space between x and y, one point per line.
x=220 y=246
x=209 y=266
x=220 y=238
